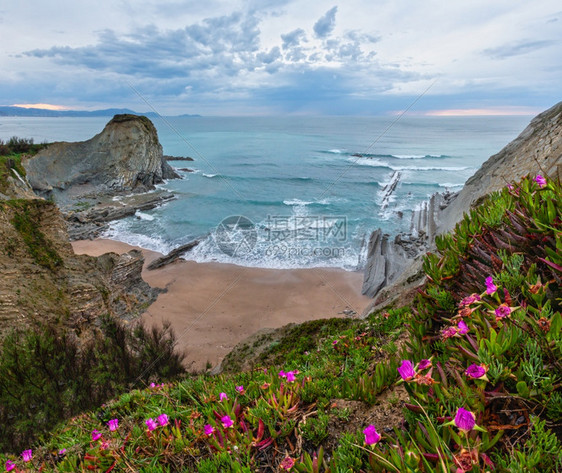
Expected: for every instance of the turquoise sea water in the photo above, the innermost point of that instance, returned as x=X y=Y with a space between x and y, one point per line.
x=312 y=186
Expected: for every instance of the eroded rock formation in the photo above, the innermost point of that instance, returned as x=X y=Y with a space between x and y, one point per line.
x=394 y=263
x=125 y=156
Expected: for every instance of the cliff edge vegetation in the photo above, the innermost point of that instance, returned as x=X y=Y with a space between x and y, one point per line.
x=466 y=378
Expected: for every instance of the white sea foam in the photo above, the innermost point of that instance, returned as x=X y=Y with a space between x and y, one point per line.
x=416 y=156
x=209 y=175
x=119 y=231
x=144 y=216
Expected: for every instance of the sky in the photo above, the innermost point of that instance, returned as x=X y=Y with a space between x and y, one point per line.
x=282 y=57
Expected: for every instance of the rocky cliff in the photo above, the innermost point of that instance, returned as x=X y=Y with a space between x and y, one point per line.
x=42 y=280
x=84 y=178
x=125 y=156
x=394 y=263
x=537 y=150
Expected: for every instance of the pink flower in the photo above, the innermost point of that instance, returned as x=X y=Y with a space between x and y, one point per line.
x=475 y=371
x=335 y=342
x=282 y=374
x=62 y=451
x=223 y=397
x=470 y=300
x=96 y=435
x=490 y=286
x=27 y=455
x=240 y=389
x=541 y=181
x=113 y=424
x=406 y=370
x=291 y=376
x=104 y=445
x=449 y=332
x=287 y=463
x=10 y=465
x=163 y=419
x=208 y=429
x=465 y=420
x=152 y=385
x=462 y=327
x=227 y=422
x=424 y=364
x=371 y=435
x=151 y=424
x=502 y=311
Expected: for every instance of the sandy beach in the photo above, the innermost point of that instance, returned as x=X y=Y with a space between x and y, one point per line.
x=213 y=306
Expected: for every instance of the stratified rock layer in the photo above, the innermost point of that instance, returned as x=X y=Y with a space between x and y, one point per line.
x=42 y=280
x=537 y=150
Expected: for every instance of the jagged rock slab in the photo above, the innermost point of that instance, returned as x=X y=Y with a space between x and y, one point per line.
x=173 y=255
x=93 y=221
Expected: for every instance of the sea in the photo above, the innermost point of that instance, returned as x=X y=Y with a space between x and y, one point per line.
x=293 y=191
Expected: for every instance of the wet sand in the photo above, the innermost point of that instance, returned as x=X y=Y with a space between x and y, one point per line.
x=213 y=306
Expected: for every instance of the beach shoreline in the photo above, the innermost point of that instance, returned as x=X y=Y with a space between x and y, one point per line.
x=214 y=306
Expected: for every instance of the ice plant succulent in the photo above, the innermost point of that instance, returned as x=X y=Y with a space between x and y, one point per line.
x=27 y=455
x=223 y=397
x=462 y=327
x=287 y=463
x=113 y=424
x=240 y=389
x=208 y=429
x=151 y=424
x=10 y=465
x=163 y=420
x=502 y=311
x=424 y=364
x=406 y=370
x=96 y=435
x=476 y=371
x=226 y=422
x=372 y=437
x=470 y=300
x=541 y=181
x=490 y=286
x=464 y=420
x=449 y=332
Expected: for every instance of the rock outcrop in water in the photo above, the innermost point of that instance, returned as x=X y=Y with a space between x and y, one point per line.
x=394 y=264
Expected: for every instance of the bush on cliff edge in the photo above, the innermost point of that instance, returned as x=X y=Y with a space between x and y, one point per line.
x=47 y=375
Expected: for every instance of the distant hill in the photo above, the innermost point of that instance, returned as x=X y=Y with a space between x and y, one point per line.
x=7 y=111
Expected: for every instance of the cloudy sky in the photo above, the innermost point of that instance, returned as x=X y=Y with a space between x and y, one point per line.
x=271 y=57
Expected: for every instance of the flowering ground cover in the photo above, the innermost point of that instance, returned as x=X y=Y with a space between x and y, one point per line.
x=478 y=352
